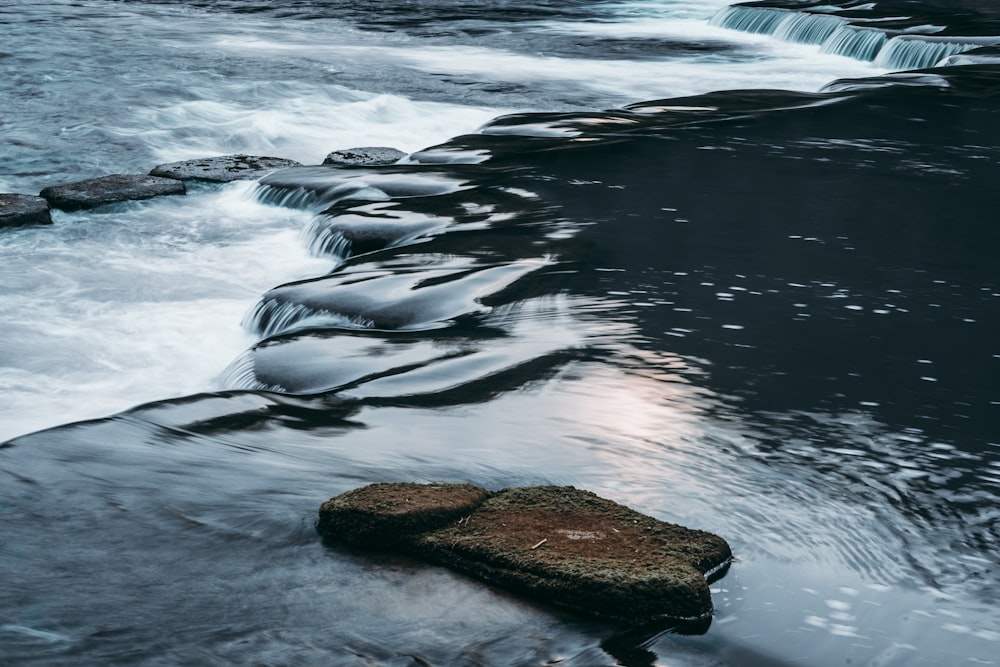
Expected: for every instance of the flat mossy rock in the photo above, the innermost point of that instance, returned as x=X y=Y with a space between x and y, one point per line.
x=21 y=210
x=365 y=156
x=560 y=544
x=384 y=515
x=222 y=169
x=109 y=190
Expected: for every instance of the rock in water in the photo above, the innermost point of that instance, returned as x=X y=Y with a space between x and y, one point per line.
x=109 y=190
x=222 y=169
x=21 y=210
x=365 y=156
x=561 y=544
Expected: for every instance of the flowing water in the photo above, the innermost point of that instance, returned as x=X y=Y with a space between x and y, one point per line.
x=723 y=265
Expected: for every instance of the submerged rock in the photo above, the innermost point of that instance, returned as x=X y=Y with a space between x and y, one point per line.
x=561 y=544
x=21 y=210
x=365 y=156
x=110 y=189
x=222 y=169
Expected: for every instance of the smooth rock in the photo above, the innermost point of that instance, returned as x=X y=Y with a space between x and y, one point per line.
x=365 y=156
x=560 y=544
x=110 y=189
x=222 y=169
x=21 y=210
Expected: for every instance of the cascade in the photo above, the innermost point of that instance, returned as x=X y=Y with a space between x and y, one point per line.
x=271 y=317
x=911 y=52
x=838 y=36
x=242 y=374
x=854 y=42
x=297 y=198
x=759 y=20
x=806 y=28
x=328 y=243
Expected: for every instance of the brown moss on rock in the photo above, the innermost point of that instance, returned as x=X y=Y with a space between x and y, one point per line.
x=386 y=515
x=561 y=544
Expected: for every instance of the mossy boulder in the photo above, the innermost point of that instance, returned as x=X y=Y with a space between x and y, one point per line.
x=560 y=544
x=384 y=515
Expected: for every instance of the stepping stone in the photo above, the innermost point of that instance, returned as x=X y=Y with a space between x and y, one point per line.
x=109 y=190
x=365 y=156
x=560 y=544
x=21 y=210
x=223 y=169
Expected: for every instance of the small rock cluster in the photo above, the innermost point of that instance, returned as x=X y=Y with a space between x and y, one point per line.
x=19 y=210
x=560 y=544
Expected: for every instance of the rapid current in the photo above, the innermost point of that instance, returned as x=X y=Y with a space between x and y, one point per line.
x=735 y=267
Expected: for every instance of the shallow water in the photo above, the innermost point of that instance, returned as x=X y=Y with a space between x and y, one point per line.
x=771 y=315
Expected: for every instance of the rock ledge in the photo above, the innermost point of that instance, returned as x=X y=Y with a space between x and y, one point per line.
x=560 y=544
x=365 y=156
x=222 y=169
x=108 y=190
x=18 y=210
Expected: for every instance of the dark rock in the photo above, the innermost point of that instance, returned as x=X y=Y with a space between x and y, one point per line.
x=21 y=210
x=222 y=169
x=560 y=544
x=365 y=156
x=110 y=189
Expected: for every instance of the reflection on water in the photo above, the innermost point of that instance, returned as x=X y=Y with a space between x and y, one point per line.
x=207 y=506
x=769 y=315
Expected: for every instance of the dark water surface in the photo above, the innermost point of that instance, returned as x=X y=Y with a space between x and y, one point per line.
x=772 y=314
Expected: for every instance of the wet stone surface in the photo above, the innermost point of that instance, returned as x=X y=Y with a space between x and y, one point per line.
x=560 y=544
x=222 y=169
x=365 y=156
x=18 y=210
x=109 y=190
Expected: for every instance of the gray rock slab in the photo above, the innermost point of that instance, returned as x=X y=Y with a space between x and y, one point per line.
x=21 y=210
x=365 y=156
x=109 y=190
x=222 y=169
x=557 y=543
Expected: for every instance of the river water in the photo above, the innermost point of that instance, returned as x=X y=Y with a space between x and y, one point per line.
x=697 y=265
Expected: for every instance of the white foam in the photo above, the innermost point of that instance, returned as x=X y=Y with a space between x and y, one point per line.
x=108 y=310
x=643 y=27
x=305 y=127
x=780 y=65
x=686 y=9
x=757 y=61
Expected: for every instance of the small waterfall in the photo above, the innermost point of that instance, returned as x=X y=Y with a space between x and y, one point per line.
x=806 y=28
x=331 y=244
x=271 y=317
x=242 y=374
x=853 y=42
x=758 y=20
x=297 y=198
x=326 y=242
x=838 y=36
x=365 y=228
x=911 y=52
